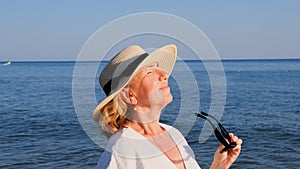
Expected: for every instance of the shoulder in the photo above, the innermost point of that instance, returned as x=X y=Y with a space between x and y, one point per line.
x=121 y=143
x=130 y=144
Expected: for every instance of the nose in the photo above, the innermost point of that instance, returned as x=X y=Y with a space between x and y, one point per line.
x=162 y=75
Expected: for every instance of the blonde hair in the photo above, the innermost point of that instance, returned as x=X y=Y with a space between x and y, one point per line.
x=113 y=116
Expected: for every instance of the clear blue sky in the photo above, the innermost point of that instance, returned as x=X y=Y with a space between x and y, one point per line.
x=57 y=29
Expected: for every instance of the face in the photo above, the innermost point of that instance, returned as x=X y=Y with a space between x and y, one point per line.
x=150 y=87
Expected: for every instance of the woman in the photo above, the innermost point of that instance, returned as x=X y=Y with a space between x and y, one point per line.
x=136 y=85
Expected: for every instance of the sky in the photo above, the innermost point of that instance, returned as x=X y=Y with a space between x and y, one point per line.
x=56 y=30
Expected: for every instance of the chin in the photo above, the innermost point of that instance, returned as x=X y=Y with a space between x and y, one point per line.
x=169 y=99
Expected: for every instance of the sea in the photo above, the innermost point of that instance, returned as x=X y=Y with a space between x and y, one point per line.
x=46 y=112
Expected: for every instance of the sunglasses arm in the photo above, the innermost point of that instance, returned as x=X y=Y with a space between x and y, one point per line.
x=222 y=138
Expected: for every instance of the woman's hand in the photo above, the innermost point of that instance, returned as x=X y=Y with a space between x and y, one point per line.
x=224 y=160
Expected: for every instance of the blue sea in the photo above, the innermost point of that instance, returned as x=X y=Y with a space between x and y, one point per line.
x=40 y=128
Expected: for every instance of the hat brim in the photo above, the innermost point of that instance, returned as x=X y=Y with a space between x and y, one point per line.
x=165 y=57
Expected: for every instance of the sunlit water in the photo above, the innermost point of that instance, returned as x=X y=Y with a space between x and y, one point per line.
x=40 y=129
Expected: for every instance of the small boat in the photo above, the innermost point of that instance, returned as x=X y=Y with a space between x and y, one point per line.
x=7 y=63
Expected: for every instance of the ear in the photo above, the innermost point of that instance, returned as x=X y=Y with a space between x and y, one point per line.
x=128 y=96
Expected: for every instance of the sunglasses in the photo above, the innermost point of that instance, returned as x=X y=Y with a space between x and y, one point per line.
x=222 y=136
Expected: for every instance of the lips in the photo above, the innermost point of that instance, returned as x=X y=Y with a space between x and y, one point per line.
x=164 y=87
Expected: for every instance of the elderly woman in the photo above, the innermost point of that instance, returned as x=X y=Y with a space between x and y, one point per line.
x=136 y=85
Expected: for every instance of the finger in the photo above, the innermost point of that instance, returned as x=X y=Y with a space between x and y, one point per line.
x=220 y=148
x=239 y=141
x=234 y=138
x=237 y=149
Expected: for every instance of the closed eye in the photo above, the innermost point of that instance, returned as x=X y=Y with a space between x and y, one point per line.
x=149 y=69
x=149 y=72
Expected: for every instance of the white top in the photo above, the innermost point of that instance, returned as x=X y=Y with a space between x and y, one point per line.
x=127 y=149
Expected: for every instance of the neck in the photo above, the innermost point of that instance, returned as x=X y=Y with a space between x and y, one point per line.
x=146 y=129
x=144 y=114
x=145 y=123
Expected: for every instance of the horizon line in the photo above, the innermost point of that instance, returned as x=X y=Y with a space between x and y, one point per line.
x=186 y=60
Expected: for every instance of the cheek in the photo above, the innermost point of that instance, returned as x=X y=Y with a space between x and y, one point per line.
x=143 y=91
x=149 y=86
x=149 y=91
x=157 y=97
x=162 y=98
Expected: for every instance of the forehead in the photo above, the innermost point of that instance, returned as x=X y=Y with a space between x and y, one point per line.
x=151 y=65
x=143 y=69
x=148 y=66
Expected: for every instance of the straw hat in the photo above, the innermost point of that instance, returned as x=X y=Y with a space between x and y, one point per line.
x=122 y=68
